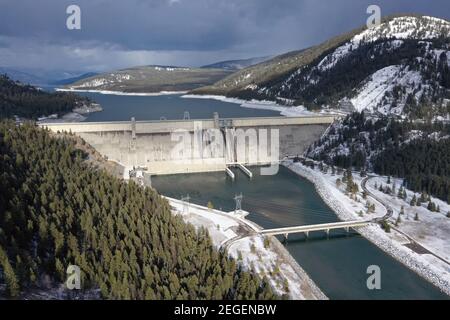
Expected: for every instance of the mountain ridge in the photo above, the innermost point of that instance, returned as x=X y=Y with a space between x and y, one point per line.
x=237 y=64
x=151 y=79
x=350 y=68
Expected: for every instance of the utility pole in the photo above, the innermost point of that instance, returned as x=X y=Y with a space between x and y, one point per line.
x=185 y=204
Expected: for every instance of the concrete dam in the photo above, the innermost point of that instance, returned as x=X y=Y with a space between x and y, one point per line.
x=187 y=146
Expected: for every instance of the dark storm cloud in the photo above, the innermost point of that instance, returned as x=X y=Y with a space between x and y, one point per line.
x=116 y=33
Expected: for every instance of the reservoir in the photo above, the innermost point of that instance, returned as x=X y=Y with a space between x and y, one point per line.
x=171 y=107
x=337 y=264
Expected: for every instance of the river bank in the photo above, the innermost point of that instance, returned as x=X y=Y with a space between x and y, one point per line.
x=334 y=199
x=268 y=258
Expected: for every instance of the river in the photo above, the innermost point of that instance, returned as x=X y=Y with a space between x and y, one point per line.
x=337 y=264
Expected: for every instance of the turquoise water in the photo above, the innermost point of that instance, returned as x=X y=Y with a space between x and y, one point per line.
x=337 y=264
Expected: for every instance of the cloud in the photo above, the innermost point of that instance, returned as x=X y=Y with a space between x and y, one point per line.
x=177 y=32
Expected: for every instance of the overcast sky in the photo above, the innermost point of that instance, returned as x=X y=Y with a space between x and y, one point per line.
x=123 y=33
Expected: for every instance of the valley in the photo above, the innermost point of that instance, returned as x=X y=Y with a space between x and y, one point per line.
x=153 y=179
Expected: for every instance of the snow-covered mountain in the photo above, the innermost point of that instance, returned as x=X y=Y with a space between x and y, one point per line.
x=399 y=67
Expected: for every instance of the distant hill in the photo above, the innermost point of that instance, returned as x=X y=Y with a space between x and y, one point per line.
x=17 y=99
x=40 y=77
x=151 y=79
x=23 y=76
x=237 y=64
x=73 y=79
x=400 y=67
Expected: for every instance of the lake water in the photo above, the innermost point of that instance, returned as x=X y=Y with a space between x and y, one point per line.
x=338 y=264
x=172 y=107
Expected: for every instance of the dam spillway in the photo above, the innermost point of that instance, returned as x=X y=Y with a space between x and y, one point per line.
x=155 y=145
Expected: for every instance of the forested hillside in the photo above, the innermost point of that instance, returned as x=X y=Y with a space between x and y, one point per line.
x=55 y=210
x=399 y=67
x=415 y=150
x=17 y=99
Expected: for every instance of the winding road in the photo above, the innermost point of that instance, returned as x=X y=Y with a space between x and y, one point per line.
x=389 y=214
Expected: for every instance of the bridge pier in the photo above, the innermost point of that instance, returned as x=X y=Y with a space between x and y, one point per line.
x=307 y=234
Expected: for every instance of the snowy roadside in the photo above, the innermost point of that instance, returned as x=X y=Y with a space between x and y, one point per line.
x=392 y=243
x=266 y=257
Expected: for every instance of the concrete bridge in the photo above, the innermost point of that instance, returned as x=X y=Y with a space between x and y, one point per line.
x=155 y=145
x=306 y=229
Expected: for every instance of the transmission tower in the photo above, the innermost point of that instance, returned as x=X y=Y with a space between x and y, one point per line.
x=186 y=115
x=238 y=200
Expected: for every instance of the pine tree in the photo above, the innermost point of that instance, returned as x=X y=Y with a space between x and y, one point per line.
x=413 y=201
x=12 y=283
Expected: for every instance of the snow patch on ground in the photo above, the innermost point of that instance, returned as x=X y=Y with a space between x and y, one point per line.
x=392 y=243
x=225 y=231
x=433 y=228
x=372 y=93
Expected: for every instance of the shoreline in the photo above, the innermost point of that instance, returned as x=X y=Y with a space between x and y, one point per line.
x=395 y=250
x=298 y=269
x=284 y=110
x=122 y=93
x=287 y=111
x=226 y=232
